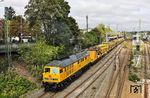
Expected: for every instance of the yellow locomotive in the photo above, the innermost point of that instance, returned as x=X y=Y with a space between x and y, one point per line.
x=59 y=73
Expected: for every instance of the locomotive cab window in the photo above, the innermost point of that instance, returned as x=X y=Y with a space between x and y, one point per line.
x=65 y=69
x=47 y=70
x=72 y=65
x=61 y=70
x=78 y=62
x=85 y=58
x=82 y=59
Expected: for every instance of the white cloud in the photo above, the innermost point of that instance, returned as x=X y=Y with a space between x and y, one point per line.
x=124 y=13
x=18 y=6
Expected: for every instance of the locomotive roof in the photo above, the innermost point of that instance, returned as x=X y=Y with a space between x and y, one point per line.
x=68 y=61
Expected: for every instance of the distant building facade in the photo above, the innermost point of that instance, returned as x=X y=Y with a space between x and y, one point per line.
x=85 y=30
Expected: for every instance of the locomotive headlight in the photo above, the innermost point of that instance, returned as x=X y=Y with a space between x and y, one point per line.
x=46 y=78
x=55 y=78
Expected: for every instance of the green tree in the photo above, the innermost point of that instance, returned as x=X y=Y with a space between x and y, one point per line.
x=35 y=30
x=90 y=39
x=15 y=25
x=53 y=16
x=9 y=13
x=95 y=36
x=74 y=29
x=45 y=11
x=102 y=29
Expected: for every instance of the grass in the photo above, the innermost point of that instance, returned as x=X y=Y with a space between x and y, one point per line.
x=133 y=77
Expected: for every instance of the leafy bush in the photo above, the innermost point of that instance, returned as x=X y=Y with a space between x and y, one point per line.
x=135 y=69
x=133 y=77
x=3 y=65
x=13 y=85
x=130 y=63
x=40 y=54
x=125 y=44
x=90 y=39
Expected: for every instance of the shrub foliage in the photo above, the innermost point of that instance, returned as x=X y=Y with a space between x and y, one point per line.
x=13 y=85
x=40 y=54
x=133 y=77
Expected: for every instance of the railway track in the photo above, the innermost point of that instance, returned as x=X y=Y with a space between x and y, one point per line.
x=92 y=78
x=47 y=95
x=114 y=79
x=112 y=82
x=53 y=95
x=124 y=70
x=120 y=74
x=77 y=91
x=146 y=65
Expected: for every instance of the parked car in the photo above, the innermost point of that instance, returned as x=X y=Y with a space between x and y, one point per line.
x=14 y=39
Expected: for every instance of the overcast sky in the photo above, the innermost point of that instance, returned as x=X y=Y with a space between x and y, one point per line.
x=118 y=14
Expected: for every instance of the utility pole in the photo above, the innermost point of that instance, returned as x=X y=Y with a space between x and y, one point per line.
x=139 y=25
x=87 y=24
x=21 y=34
x=117 y=27
x=7 y=38
x=21 y=23
x=107 y=37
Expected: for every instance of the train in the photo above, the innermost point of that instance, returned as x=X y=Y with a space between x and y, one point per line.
x=58 y=74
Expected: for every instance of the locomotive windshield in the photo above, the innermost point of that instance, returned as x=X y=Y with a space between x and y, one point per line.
x=55 y=71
